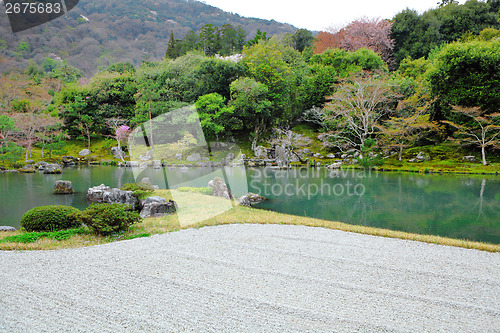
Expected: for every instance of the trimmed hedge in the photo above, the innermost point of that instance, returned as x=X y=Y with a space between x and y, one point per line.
x=50 y=218
x=105 y=219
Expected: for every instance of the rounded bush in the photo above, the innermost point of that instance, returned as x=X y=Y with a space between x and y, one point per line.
x=50 y=218
x=106 y=219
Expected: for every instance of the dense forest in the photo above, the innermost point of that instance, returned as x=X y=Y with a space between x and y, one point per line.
x=378 y=87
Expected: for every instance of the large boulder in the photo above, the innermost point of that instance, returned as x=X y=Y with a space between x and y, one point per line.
x=157 y=207
x=469 y=158
x=220 y=189
x=52 y=169
x=244 y=201
x=84 y=152
x=63 y=187
x=41 y=165
x=335 y=165
x=106 y=194
x=194 y=157
x=421 y=156
x=7 y=228
x=250 y=199
x=28 y=168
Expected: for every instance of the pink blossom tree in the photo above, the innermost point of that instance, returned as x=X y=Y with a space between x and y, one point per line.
x=121 y=132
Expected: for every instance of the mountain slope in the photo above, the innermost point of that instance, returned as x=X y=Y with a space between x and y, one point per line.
x=117 y=30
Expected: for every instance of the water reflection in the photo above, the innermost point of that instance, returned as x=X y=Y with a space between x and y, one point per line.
x=448 y=205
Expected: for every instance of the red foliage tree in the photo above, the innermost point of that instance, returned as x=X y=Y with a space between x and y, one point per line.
x=370 y=33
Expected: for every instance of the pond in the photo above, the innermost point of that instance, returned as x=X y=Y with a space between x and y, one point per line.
x=457 y=206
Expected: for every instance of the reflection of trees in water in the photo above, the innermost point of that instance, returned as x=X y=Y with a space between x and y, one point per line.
x=481 y=198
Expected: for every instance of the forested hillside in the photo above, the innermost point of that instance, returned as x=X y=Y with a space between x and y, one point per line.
x=358 y=89
x=100 y=32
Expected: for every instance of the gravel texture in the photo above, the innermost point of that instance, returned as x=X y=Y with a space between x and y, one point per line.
x=252 y=278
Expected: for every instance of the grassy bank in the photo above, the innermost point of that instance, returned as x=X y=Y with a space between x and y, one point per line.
x=201 y=204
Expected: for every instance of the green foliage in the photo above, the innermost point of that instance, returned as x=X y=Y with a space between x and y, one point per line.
x=49 y=218
x=105 y=219
x=215 y=76
x=346 y=62
x=302 y=39
x=370 y=158
x=415 y=35
x=23 y=47
x=121 y=67
x=139 y=190
x=11 y=152
x=21 y=105
x=137 y=236
x=108 y=95
x=215 y=117
x=174 y=47
x=251 y=102
x=66 y=72
x=415 y=69
x=259 y=35
x=200 y=190
x=468 y=74
x=31 y=237
x=280 y=68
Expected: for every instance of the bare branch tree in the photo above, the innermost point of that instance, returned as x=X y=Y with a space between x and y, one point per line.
x=356 y=108
x=484 y=131
x=402 y=132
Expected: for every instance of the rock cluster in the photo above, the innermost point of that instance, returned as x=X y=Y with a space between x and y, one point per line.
x=106 y=194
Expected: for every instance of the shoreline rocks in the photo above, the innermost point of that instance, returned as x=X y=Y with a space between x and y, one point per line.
x=6 y=228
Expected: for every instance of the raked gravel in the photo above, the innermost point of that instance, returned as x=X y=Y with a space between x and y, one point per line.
x=252 y=278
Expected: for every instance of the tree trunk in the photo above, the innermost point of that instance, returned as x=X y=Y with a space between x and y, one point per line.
x=400 y=153
x=42 y=150
x=120 y=150
x=88 y=141
x=483 y=153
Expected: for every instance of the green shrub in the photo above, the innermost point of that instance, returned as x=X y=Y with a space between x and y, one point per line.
x=139 y=190
x=31 y=237
x=49 y=218
x=105 y=219
x=370 y=162
x=201 y=190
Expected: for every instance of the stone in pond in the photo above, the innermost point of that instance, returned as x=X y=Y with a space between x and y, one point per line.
x=63 y=187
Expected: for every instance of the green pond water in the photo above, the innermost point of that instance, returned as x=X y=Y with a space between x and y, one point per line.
x=458 y=206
